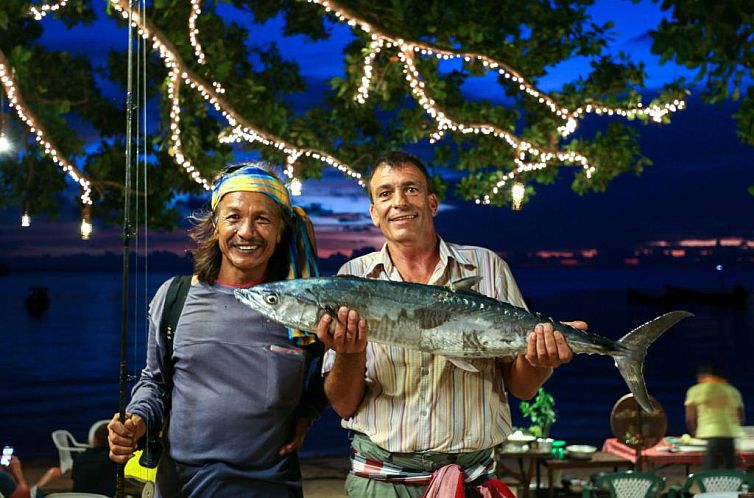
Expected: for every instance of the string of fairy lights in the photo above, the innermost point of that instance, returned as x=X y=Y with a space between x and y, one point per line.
x=196 y=10
x=211 y=93
x=45 y=144
x=528 y=158
x=381 y=38
x=39 y=12
x=406 y=49
x=418 y=89
x=173 y=90
x=362 y=93
x=242 y=128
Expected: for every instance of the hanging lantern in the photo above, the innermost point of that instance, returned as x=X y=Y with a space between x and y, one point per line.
x=517 y=195
x=295 y=186
x=25 y=218
x=86 y=230
x=86 y=225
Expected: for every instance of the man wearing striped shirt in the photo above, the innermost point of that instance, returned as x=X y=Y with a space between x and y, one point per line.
x=417 y=419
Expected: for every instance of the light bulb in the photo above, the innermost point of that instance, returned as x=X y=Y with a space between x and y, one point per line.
x=295 y=186
x=517 y=194
x=5 y=144
x=25 y=220
x=86 y=229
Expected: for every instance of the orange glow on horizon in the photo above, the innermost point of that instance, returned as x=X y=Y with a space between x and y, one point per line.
x=333 y=239
x=732 y=242
x=721 y=242
x=553 y=254
x=698 y=243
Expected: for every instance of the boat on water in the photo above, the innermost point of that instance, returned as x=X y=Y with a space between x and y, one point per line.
x=737 y=297
x=37 y=301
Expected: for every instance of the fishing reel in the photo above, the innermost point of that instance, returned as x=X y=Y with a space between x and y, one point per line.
x=152 y=452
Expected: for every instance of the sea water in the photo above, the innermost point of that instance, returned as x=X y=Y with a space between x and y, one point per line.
x=61 y=370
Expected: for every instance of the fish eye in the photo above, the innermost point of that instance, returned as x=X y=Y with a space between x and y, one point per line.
x=271 y=299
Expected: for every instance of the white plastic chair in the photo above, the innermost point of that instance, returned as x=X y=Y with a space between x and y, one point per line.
x=66 y=445
x=93 y=429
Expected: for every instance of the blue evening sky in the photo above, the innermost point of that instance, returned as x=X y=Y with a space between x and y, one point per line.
x=695 y=189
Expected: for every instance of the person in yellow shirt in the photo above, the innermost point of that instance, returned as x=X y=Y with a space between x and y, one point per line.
x=715 y=412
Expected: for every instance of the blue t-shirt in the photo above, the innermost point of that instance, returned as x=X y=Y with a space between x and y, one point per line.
x=238 y=388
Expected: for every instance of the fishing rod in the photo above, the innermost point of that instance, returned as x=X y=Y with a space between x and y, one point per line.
x=127 y=235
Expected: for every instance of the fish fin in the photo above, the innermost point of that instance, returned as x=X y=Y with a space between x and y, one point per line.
x=630 y=363
x=334 y=314
x=429 y=318
x=463 y=365
x=330 y=311
x=465 y=283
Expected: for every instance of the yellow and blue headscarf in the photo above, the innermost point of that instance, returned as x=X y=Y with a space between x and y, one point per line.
x=302 y=249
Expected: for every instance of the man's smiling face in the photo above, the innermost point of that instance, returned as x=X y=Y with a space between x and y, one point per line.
x=249 y=226
x=402 y=206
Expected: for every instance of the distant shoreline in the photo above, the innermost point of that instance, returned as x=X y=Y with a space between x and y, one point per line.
x=165 y=261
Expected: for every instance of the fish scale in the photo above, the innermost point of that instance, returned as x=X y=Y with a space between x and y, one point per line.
x=446 y=320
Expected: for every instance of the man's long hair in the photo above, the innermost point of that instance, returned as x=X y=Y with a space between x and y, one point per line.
x=207 y=254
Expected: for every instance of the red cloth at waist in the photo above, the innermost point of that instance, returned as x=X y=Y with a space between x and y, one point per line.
x=448 y=482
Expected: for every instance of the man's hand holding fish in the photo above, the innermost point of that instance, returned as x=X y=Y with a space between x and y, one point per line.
x=349 y=335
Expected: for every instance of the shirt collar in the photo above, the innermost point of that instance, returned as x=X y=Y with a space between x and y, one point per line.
x=380 y=261
x=451 y=251
x=383 y=262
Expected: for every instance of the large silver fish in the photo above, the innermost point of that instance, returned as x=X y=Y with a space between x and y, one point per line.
x=450 y=321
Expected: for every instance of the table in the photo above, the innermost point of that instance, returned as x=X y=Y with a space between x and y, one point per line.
x=528 y=466
x=600 y=459
x=660 y=455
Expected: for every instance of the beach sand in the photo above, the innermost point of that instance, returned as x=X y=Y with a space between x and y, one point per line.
x=324 y=478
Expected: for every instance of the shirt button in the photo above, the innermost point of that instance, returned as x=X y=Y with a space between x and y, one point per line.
x=425 y=370
x=423 y=412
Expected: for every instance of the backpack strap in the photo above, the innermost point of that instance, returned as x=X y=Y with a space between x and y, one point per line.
x=175 y=298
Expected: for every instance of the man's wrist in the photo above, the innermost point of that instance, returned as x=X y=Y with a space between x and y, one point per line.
x=543 y=373
x=354 y=355
x=349 y=364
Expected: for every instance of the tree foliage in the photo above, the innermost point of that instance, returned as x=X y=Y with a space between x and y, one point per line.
x=717 y=40
x=263 y=84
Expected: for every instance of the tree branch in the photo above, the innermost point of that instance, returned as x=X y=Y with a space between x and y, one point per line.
x=243 y=127
x=48 y=146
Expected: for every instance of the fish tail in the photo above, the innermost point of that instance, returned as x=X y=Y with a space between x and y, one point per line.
x=630 y=361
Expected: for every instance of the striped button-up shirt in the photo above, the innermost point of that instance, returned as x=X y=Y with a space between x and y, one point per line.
x=418 y=401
